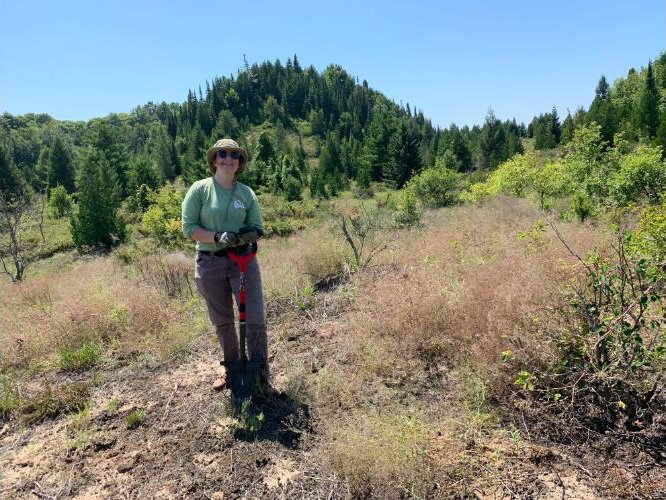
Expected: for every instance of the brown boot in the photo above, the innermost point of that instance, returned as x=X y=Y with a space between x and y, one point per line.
x=221 y=383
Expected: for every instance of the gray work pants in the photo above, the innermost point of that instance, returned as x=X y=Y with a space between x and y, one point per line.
x=217 y=279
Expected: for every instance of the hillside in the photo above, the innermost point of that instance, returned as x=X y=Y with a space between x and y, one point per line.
x=391 y=379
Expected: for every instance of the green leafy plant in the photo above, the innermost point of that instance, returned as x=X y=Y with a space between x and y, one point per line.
x=247 y=421
x=60 y=203
x=79 y=358
x=9 y=396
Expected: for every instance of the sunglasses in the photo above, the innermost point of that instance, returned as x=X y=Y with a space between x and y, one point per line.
x=223 y=154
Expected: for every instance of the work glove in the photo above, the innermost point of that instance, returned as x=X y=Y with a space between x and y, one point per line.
x=248 y=234
x=226 y=239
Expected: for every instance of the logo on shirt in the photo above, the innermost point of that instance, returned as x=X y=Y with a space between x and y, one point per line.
x=239 y=204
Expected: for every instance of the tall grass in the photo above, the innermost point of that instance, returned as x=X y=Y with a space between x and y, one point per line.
x=91 y=305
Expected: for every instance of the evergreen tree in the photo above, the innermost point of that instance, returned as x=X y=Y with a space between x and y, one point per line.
x=110 y=148
x=11 y=183
x=453 y=141
x=492 y=143
x=602 y=111
x=159 y=149
x=404 y=156
x=375 y=155
x=195 y=165
x=647 y=109
x=265 y=149
x=95 y=223
x=567 y=129
x=60 y=168
x=143 y=171
x=330 y=164
x=226 y=126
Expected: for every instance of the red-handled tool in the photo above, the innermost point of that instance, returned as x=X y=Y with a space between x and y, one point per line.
x=242 y=374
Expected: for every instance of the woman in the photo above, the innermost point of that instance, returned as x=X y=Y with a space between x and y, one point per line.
x=220 y=213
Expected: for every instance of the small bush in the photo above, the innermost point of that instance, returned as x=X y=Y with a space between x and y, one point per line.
x=610 y=357
x=648 y=239
x=248 y=424
x=292 y=189
x=79 y=358
x=135 y=418
x=9 y=396
x=53 y=401
x=60 y=203
x=279 y=228
x=162 y=219
x=407 y=212
x=436 y=187
x=581 y=207
x=325 y=264
x=383 y=455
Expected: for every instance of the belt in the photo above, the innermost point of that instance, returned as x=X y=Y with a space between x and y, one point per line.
x=217 y=253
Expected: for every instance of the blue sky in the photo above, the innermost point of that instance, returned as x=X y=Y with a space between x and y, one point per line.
x=452 y=59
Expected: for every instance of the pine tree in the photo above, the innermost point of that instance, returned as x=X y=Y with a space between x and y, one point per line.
x=492 y=143
x=158 y=149
x=95 y=223
x=60 y=169
x=602 y=111
x=143 y=171
x=265 y=149
x=453 y=141
x=567 y=130
x=195 y=165
x=226 y=126
x=11 y=183
x=647 y=110
x=109 y=147
x=404 y=156
x=374 y=156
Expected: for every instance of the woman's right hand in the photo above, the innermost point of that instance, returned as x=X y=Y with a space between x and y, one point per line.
x=227 y=238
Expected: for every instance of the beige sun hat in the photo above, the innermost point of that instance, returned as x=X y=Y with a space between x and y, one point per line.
x=229 y=145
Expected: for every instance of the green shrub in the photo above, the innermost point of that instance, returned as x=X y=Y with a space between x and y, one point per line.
x=279 y=228
x=609 y=360
x=642 y=174
x=60 y=203
x=81 y=358
x=407 y=212
x=649 y=238
x=9 y=396
x=53 y=401
x=436 y=187
x=135 y=418
x=162 y=220
x=581 y=206
x=292 y=189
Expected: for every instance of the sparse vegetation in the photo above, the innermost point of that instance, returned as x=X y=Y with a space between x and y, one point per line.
x=9 y=396
x=424 y=348
x=79 y=358
x=52 y=401
x=135 y=418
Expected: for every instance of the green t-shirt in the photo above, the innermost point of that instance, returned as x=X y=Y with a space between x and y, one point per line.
x=209 y=205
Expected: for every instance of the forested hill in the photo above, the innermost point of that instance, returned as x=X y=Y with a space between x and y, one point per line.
x=304 y=129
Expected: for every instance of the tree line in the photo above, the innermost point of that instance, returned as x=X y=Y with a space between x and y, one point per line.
x=354 y=134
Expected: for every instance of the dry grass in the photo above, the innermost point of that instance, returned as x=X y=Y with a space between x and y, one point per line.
x=383 y=454
x=427 y=329
x=467 y=289
x=94 y=304
x=400 y=368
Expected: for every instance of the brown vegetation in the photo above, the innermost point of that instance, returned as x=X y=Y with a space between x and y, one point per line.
x=393 y=379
